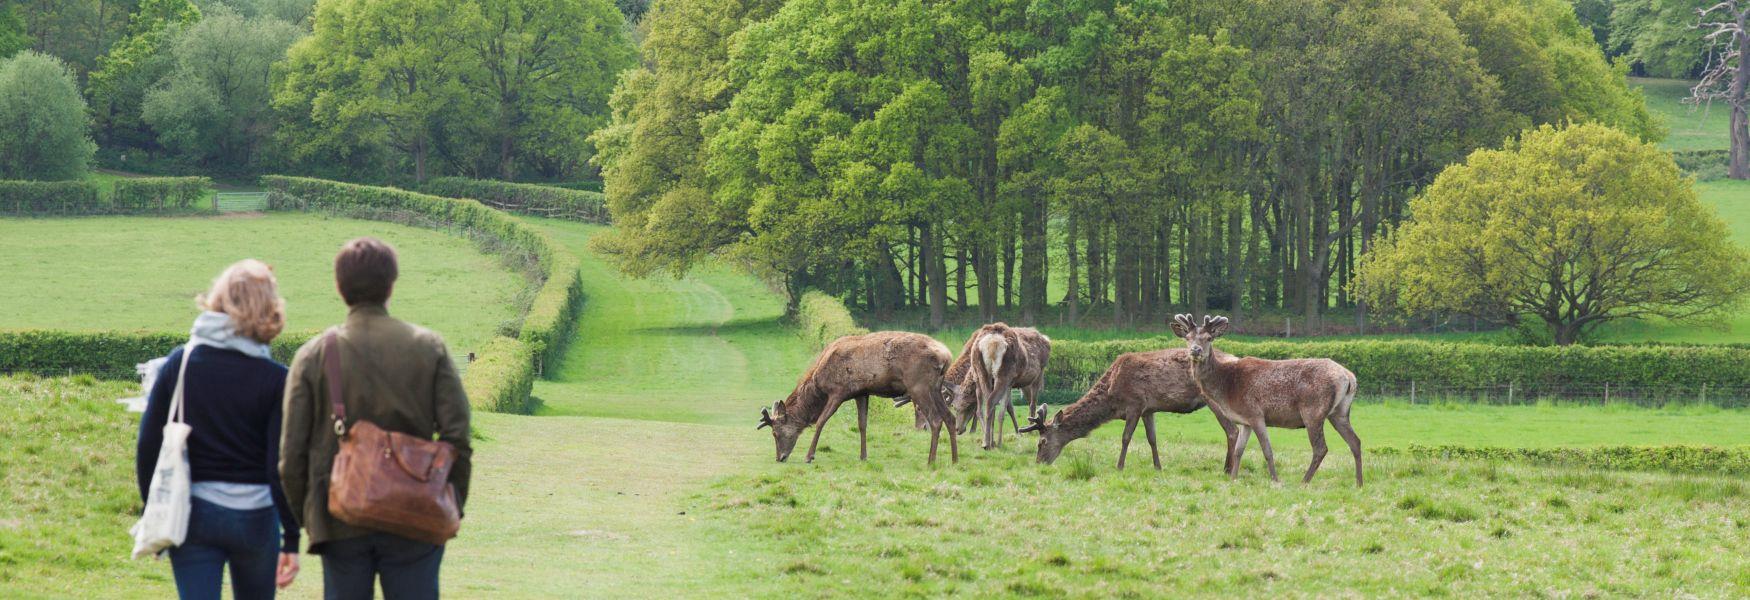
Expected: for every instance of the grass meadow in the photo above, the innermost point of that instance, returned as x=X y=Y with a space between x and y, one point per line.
x=142 y=273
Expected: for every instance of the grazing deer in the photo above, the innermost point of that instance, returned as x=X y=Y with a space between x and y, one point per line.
x=887 y=364
x=1135 y=387
x=997 y=358
x=1256 y=394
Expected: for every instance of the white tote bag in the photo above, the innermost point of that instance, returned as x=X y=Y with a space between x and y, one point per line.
x=165 y=521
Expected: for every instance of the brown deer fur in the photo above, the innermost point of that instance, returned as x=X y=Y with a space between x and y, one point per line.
x=1135 y=387
x=887 y=364
x=1257 y=394
x=996 y=359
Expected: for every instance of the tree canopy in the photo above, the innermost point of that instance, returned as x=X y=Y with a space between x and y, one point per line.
x=1573 y=226
x=45 y=133
x=212 y=109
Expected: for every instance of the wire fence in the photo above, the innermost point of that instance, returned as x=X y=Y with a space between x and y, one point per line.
x=240 y=202
x=1515 y=394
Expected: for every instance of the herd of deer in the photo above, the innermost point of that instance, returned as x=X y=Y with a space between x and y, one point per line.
x=1247 y=395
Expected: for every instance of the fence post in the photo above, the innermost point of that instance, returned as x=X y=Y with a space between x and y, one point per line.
x=1607 y=392
x=1704 y=393
x=1509 y=392
x=1412 y=391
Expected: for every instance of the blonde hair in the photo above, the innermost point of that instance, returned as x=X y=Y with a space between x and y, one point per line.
x=248 y=292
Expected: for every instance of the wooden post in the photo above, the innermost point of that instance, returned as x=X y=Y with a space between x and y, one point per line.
x=1509 y=392
x=1607 y=392
x=1288 y=332
x=1412 y=391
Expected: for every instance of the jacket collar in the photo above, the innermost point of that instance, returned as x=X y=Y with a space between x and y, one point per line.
x=363 y=312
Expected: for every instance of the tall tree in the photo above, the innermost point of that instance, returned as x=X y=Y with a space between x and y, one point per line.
x=118 y=84
x=44 y=130
x=1727 y=75
x=213 y=108
x=1574 y=226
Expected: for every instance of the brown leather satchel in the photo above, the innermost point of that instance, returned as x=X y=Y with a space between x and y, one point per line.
x=386 y=480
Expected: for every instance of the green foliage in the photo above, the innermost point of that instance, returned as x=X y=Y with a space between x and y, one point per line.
x=212 y=109
x=525 y=198
x=545 y=330
x=78 y=197
x=1672 y=459
x=45 y=137
x=500 y=377
x=147 y=194
x=107 y=355
x=294 y=12
x=1660 y=38
x=823 y=318
x=13 y=36
x=1457 y=365
x=118 y=83
x=1574 y=226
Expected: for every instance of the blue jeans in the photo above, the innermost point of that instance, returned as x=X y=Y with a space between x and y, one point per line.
x=249 y=540
x=408 y=569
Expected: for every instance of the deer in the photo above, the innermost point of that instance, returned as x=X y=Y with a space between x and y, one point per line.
x=1134 y=388
x=989 y=349
x=886 y=364
x=1257 y=394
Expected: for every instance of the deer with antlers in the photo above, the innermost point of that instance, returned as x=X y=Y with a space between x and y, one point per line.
x=887 y=364
x=1134 y=388
x=1256 y=394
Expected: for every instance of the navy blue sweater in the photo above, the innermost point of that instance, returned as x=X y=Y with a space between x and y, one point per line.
x=233 y=405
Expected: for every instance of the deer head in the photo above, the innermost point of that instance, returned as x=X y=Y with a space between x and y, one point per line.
x=1199 y=337
x=1051 y=443
x=785 y=431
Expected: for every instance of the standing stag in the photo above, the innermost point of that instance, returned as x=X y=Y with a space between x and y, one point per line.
x=887 y=364
x=997 y=358
x=1256 y=394
x=1135 y=387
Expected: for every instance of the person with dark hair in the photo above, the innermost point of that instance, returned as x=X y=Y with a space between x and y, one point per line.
x=395 y=375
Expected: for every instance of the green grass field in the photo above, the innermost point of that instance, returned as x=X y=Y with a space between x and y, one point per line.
x=1687 y=127
x=643 y=476
x=142 y=273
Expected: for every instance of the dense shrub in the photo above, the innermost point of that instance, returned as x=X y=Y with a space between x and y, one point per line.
x=538 y=200
x=77 y=197
x=823 y=318
x=1677 y=459
x=47 y=135
x=1455 y=365
x=148 y=194
x=553 y=310
x=501 y=376
x=1705 y=165
x=108 y=355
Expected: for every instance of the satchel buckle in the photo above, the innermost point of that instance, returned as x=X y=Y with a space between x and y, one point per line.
x=339 y=427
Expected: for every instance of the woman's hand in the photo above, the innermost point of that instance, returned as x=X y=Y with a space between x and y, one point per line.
x=288 y=569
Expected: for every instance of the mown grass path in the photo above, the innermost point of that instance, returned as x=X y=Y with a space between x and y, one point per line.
x=655 y=397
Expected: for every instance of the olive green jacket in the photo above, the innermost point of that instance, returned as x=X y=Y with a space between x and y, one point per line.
x=394 y=374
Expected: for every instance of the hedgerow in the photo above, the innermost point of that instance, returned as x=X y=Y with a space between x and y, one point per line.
x=1676 y=459
x=552 y=312
x=103 y=354
x=501 y=376
x=1457 y=365
x=160 y=194
x=50 y=198
x=531 y=199
x=823 y=318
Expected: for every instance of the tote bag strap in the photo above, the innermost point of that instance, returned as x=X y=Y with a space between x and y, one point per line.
x=331 y=372
x=176 y=400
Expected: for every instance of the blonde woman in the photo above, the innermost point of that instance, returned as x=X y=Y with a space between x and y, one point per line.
x=231 y=400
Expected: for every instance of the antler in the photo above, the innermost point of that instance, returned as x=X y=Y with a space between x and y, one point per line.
x=901 y=401
x=1184 y=319
x=765 y=418
x=1035 y=421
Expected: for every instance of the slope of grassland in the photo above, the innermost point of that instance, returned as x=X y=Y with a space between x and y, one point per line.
x=142 y=273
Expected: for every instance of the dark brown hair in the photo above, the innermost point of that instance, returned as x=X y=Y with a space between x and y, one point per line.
x=365 y=270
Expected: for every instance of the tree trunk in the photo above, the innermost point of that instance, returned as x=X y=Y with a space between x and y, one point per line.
x=1009 y=269
x=1033 y=262
x=1740 y=154
x=935 y=279
x=1073 y=298
x=984 y=267
x=960 y=275
x=506 y=171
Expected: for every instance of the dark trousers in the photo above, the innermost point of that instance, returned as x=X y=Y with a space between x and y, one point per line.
x=247 y=540
x=409 y=569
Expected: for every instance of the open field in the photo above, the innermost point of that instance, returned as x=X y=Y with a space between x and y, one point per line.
x=1687 y=127
x=142 y=273
x=646 y=477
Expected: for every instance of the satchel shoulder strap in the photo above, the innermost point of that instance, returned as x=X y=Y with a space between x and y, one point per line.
x=331 y=372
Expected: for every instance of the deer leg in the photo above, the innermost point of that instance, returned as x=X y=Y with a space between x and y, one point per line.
x=1148 y=427
x=1348 y=433
x=1233 y=435
x=832 y=405
x=1031 y=395
x=1315 y=432
x=1124 y=448
x=940 y=414
x=863 y=427
x=1264 y=443
x=1239 y=450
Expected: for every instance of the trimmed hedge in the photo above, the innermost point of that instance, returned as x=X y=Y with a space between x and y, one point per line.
x=1456 y=365
x=1676 y=459
x=525 y=198
x=159 y=194
x=823 y=318
x=501 y=377
x=103 y=354
x=50 y=197
x=552 y=313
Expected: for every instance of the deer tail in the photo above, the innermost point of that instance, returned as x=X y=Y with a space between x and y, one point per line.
x=991 y=349
x=1346 y=387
